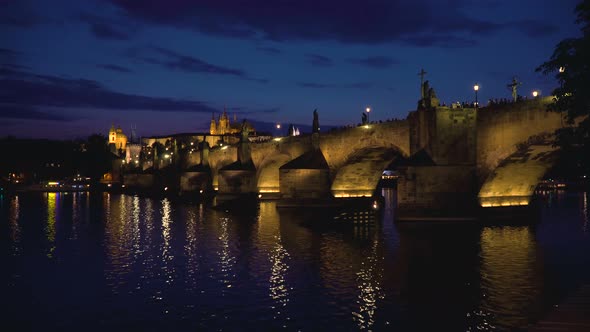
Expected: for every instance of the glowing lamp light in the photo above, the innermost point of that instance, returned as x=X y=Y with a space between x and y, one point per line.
x=561 y=69
x=278 y=126
x=535 y=93
x=476 y=87
x=375 y=205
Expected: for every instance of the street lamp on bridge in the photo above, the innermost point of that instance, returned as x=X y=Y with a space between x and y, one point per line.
x=476 y=88
x=368 y=109
x=535 y=93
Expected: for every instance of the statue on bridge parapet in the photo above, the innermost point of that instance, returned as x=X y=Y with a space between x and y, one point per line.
x=429 y=100
x=364 y=118
x=244 y=132
x=315 y=131
x=316 y=123
x=514 y=86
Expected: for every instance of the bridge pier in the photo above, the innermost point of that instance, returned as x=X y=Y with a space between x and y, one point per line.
x=436 y=190
x=239 y=177
x=307 y=176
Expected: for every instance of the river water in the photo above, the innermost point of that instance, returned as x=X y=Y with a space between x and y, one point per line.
x=111 y=262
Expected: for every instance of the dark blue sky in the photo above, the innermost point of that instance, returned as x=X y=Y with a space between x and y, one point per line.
x=70 y=68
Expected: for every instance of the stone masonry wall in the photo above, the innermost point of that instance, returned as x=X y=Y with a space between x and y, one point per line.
x=501 y=129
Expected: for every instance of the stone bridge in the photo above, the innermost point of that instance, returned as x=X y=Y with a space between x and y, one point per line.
x=446 y=157
x=370 y=149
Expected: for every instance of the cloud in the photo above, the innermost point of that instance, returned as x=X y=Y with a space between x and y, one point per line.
x=179 y=62
x=9 y=57
x=442 y=41
x=269 y=50
x=19 y=14
x=370 y=22
x=533 y=28
x=378 y=62
x=314 y=85
x=107 y=28
x=25 y=89
x=262 y=110
x=319 y=60
x=13 y=111
x=116 y=68
x=7 y=52
x=104 y=31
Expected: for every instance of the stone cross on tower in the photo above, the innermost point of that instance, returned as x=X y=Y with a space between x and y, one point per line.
x=422 y=73
x=513 y=86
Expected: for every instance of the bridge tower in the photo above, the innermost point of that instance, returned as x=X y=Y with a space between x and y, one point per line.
x=440 y=172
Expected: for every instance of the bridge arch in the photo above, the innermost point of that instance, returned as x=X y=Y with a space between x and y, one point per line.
x=360 y=173
x=267 y=172
x=219 y=158
x=514 y=181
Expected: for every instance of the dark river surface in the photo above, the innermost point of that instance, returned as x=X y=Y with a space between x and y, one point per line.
x=111 y=262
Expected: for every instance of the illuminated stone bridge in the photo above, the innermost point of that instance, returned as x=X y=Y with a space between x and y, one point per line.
x=445 y=157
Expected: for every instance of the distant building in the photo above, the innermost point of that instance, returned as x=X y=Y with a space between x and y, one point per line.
x=117 y=140
x=223 y=126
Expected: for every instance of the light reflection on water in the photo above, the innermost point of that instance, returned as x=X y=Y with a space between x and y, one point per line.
x=159 y=264
x=226 y=259
x=52 y=206
x=370 y=291
x=585 y=212
x=13 y=226
x=509 y=263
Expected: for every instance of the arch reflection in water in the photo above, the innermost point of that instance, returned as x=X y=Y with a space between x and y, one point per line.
x=76 y=210
x=135 y=235
x=272 y=248
x=116 y=242
x=369 y=285
x=509 y=282
x=585 y=211
x=167 y=255
x=226 y=259
x=190 y=247
x=13 y=225
x=279 y=290
x=52 y=205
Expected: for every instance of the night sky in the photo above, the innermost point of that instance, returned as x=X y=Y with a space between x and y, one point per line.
x=72 y=68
